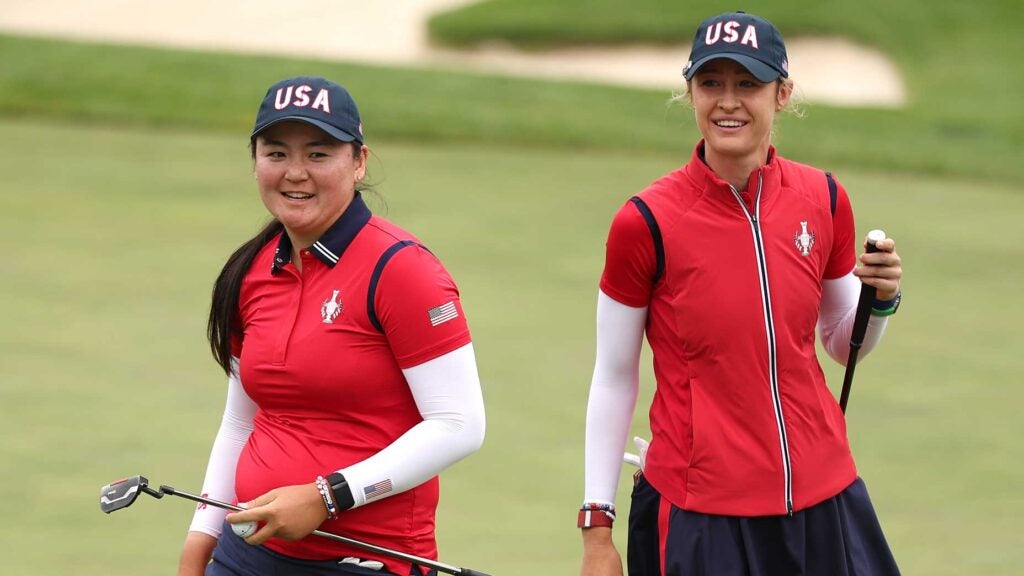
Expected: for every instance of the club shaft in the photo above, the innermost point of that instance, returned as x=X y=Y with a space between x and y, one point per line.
x=439 y=566
x=860 y=328
x=860 y=323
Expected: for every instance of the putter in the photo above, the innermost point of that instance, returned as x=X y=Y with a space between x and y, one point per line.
x=860 y=324
x=123 y=493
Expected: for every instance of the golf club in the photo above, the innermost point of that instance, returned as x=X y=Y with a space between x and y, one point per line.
x=860 y=324
x=124 y=492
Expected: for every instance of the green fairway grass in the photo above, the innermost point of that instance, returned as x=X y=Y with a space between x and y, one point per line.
x=955 y=58
x=962 y=124
x=112 y=237
x=950 y=52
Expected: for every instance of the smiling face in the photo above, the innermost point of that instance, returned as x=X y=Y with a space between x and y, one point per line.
x=735 y=112
x=306 y=178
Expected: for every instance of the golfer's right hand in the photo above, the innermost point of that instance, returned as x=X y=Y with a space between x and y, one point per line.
x=289 y=512
x=600 y=558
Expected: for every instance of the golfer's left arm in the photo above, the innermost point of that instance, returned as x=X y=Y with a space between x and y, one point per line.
x=448 y=396
x=839 y=297
x=447 y=393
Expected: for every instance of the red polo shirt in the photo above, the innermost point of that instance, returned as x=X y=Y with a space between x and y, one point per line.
x=742 y=421
x=321 y=355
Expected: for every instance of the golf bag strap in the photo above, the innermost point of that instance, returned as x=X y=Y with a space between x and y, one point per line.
x=371 y=292
x=832 y=191
x=659 y=246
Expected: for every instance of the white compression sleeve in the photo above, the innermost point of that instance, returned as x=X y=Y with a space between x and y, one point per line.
x=835 y=319
x=447 y=393
x=219 y=484
x=613 y=393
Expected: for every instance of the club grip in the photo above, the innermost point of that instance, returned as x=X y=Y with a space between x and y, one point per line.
x=867 y=294
x=468 y=572
x=874 y=236
x=867 y=297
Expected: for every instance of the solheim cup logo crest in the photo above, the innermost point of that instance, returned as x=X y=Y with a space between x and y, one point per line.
x=331 y=308
x=804 y=240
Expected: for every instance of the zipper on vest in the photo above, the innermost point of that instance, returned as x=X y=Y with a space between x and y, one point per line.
x=769 y=323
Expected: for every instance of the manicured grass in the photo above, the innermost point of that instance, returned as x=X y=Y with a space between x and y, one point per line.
x=944 y=43
x=113 y=237
x=115 y=226
x=944 y=132
x=956 y=58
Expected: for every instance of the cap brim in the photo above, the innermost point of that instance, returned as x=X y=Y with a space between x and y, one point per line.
x=760 y=70
x=331 y=131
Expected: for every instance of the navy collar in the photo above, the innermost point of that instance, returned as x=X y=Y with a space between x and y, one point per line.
x=333 y=243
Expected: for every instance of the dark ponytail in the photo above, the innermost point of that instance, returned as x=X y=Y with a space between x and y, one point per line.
x=224 y=305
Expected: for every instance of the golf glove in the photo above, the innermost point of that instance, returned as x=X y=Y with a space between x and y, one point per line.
x=368 y=564
x=640 y=458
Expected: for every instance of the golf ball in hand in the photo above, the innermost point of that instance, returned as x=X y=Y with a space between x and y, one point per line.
x=244 y=529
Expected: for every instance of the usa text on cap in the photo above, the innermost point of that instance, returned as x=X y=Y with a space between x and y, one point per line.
x=312 y=100
x=750 y=40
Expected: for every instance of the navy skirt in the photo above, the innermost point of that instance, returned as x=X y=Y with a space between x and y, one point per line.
x=233 y=557
x=838 y=537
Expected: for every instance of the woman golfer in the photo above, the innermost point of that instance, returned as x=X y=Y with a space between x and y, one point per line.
x=352 y=379
x=729 y=264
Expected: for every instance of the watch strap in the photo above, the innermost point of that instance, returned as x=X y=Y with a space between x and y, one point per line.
x=343 y=498
x=886 y=307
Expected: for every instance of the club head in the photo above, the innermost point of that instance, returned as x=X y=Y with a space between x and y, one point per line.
x=122 y=494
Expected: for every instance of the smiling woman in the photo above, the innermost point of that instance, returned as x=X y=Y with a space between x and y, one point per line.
x=735 y=112
x=352 y=380
x=730 y=264
x=306 y=178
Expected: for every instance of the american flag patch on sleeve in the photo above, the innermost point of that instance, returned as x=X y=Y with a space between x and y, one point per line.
x=443 y=313
x=378 y=489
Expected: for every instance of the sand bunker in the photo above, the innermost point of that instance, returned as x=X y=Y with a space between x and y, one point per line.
x=826 y=70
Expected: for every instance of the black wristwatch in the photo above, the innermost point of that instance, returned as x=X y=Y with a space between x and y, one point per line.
x=342 y=493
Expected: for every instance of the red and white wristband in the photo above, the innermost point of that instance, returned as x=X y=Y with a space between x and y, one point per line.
x=325 y=493
x=593 y=514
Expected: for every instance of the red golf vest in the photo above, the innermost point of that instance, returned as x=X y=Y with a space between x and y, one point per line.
x=742 y=421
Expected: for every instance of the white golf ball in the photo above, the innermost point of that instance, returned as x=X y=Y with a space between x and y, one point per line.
x=244 y=529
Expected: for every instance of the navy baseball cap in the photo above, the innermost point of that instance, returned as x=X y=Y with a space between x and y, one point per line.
x=312 y=100
x=750 y=40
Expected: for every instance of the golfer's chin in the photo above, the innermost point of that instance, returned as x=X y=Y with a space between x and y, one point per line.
x=304 y=224
x=738 y=145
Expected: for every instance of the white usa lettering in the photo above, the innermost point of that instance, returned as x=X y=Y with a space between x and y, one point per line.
x=731 y=34
x=322 y=102
x=280 y=103
x=283 y=98
x=750 y=37
x=302 y=96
